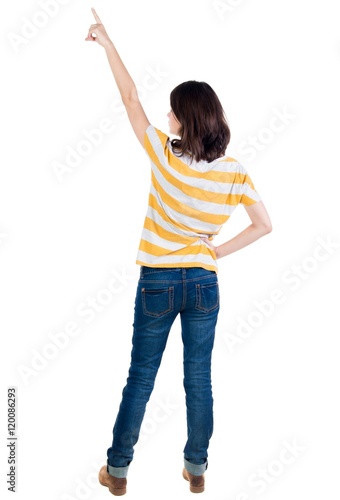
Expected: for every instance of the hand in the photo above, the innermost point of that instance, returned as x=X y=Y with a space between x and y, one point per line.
x=213 y=248
x=99 y=31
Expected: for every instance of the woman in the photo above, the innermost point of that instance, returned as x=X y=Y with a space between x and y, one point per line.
x=194 y=190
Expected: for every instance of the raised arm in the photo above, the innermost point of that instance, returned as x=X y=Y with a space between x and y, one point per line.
x=125 y=84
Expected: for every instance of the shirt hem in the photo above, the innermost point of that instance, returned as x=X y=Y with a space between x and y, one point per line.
x=180 y=264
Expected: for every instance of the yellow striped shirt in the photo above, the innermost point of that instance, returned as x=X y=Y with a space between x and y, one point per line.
x=188 y=201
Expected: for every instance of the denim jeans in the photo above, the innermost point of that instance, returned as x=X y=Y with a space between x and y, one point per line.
x=162 y=294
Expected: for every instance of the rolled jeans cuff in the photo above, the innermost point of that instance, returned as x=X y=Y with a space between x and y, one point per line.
x=195 y=469
x=119 y=472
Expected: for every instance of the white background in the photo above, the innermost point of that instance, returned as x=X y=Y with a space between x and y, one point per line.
x=62 y=240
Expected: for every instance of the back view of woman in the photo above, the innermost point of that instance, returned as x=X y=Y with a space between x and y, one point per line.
x=194 y=189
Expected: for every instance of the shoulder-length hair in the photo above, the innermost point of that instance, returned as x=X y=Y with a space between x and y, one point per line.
x=204 y=132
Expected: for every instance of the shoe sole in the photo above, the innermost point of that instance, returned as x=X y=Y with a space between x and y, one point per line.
x=193 y=489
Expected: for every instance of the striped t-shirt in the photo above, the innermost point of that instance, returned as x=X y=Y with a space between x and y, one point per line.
x=188 y=201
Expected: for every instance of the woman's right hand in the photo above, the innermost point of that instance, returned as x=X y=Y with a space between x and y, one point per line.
x=99 y=31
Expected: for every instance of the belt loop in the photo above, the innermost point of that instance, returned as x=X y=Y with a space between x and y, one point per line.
x=184 y=272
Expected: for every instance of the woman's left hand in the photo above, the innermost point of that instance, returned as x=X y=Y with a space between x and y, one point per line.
x=213 y=248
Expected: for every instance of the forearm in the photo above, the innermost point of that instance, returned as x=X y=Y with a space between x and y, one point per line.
x=125 y=84
x=243 y=239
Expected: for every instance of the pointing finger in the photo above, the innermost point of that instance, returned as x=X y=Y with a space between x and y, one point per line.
x=97 y=18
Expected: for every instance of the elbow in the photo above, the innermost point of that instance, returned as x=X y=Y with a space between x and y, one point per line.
x=267 y=228
x=266 y=225
x=263 y=229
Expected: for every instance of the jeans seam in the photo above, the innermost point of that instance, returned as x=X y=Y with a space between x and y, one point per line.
x=184 y=295
x=188 y=280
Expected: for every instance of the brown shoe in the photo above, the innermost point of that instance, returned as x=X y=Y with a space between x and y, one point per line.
x=116 y=485
x=196 y=482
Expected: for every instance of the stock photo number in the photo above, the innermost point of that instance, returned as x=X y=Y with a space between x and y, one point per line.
x=12 y=439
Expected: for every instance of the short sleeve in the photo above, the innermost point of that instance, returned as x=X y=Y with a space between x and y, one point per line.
x=155 y=141
x=249 y=193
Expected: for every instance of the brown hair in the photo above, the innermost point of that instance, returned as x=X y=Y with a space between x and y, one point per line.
x=204 y=131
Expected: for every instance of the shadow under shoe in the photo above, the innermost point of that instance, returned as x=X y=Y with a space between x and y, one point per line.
x=116 y=485
x=196 y=482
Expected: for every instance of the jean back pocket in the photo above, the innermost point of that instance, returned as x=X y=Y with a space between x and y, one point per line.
x=158 y=302
x=207 y=297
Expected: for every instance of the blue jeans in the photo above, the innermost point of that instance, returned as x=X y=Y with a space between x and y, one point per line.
x=162 y=294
